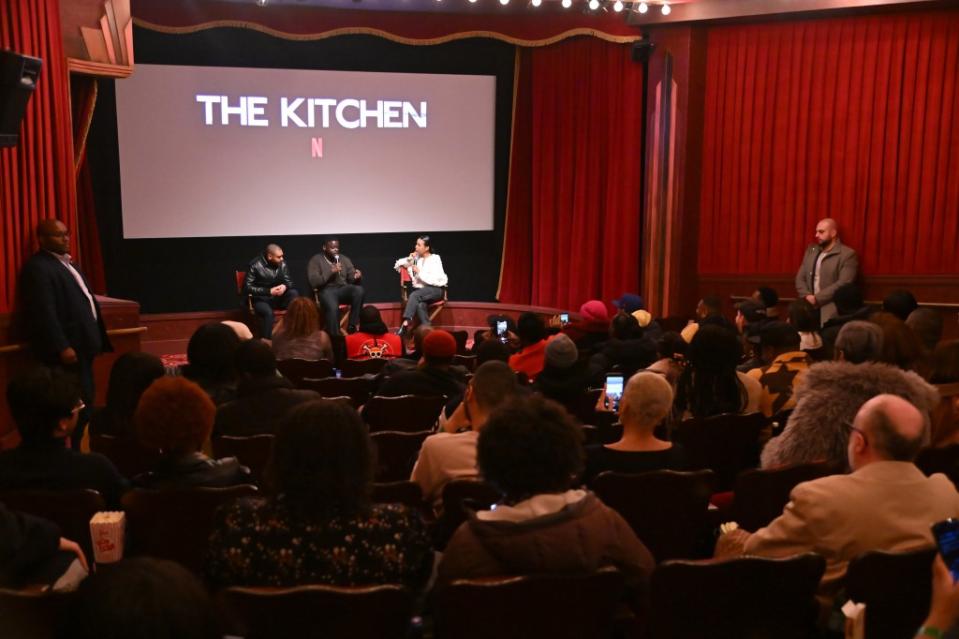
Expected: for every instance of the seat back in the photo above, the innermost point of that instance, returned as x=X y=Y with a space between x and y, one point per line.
x=239 y=279
x=466 y=361
x=554 y=606
x=396 y=452
x=358 y=367
x=33 y=614
x=408 y=413
x=176 y=523
x=253 y=452
x=459 y=497
x=895 y=586
x=744 y=598
x=359 y=612
x=761 y=495
x=461 y=337
x=71 y=510
x=298 y=370
x=727 y=444
x=129 y=456
x=943 y=460
x=358 y=389
x=405 y=492
x=666 y=509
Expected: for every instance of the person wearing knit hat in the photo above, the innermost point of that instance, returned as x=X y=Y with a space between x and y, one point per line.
x=434 y=375
x=629 y=303
x=591 y=328
x=594 y=311
x=561 y=352
x=563 y=377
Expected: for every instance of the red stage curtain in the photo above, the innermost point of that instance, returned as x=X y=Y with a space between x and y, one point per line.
x=573 y=221
x=36 y=177
x=855 y=118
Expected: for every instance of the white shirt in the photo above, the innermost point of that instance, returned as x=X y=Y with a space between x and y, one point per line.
x=65 y=260
x=429 y=270
x=444 y=457
x=815 y=279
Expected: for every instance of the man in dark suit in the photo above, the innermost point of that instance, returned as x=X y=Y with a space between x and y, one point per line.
x=63 y=319
x=826 y=265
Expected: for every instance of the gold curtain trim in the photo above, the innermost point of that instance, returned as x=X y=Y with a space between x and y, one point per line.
x=581 y=31
x=85 y=131
x=509 y=180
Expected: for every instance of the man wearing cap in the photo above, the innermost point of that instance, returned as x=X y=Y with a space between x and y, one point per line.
x=633 y=304
x=433 y=375
x=779 y=343
x=827 y=265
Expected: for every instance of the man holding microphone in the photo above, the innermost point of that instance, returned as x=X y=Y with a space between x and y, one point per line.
x=335 y=280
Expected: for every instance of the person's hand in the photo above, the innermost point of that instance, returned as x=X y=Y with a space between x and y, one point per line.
x=414 y=269
x=554 y=322
x=731 y=544
x=811 y=299
x=944 y=609
x=72 y=546
x=336 y=267
x=275 y=291
x=68 y=356
x=602 y=403
x=357 y=275
x=512 y=339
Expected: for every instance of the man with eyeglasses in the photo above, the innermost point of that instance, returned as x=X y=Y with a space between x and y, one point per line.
x=63 y=319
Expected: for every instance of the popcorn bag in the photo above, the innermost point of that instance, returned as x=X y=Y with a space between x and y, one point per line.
x=106 y=531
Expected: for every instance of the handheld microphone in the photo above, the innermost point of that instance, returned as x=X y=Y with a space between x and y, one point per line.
x=336 y=258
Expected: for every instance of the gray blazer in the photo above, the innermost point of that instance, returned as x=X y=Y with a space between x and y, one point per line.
x=840 y=266
x=320 y=272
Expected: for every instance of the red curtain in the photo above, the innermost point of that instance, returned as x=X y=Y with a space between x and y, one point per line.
x=36 y=177
x=855 y=118
x=573 y=220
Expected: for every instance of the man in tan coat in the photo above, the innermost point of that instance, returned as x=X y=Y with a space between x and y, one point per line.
x=886 y=503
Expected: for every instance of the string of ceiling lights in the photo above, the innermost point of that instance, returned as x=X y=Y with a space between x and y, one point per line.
x=594 y=5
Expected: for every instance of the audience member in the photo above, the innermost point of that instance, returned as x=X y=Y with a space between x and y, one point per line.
x=780 y=346
x=710 y=384
x=634 y=305
x=804 y=318
x=857 y=342
x=900 y=303
x=827 y=401
x=885 y=504
x=142 y=598
x=943 y=617
x=647 y=401
x=750 y=318
x=299 y=335
x=672 y=355
x=211 y=354
x=945 y=376
x=45 y=404
x=373 y=341
x=263 y=397
x=591 y=328
x=434 y=375
x=131 y=374
x=531 y=451
x=531 y=357
x=563 y=377
x=176 y=416
x=850 y=307
x=319 y=526
x=900 y=346
x=242 y=331
x=628 y=349
x=32 y=552
x=489 y=351
x=926 y=325
x=709 y=311
x=452 y=454
x=769 y=298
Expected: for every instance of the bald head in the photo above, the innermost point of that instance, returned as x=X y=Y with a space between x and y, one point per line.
x=826 y=232
x=895 y=429
x=53 y=236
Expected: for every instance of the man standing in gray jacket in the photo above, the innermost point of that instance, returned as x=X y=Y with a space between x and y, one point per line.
x=827 y=265
x=335 y=280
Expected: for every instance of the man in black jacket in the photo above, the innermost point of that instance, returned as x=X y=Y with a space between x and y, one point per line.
x=268 y=283
x=61 y=314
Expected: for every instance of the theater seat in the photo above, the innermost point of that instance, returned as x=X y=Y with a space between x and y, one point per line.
x=726 y=444
x=396 y=452
x=459 y=496
x=33 y=614
x=297 y=370
x=129 y=456
x=360 y=367
x=408 y=413
x=358 y=389
x=761 y=495
x=71 y=510
x=253 y=452
x=895 y=586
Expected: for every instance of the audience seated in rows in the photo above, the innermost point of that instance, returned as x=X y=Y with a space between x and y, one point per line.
x=373 y=340
x=299 y=335
x=900 y=346
x=850 y=307
x=452 y=454
x=433 y=376
x=211 y=353
x=647 y=401
x=709 y=311
x=591 y=328
x=945 y=376
x=407 y=361
x=176 y=417
x=45 y=404
x=633 y=304
x=750 y=318
x=263 y=397
x=32 y=552
x=628 y=349
x=130 y=375
x=531 y=451
x=672 y=353
x=804 y=318
x=885 y=504
x=857 y=342
x=563 y=376
x=780 y=344
x=531 y=356
x=319 y=525
x=926 y=325
x=710 y=384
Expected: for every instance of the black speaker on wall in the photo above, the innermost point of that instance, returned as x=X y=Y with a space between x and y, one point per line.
x=18 y=79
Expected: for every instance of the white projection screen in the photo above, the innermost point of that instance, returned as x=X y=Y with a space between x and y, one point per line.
x=222 y=151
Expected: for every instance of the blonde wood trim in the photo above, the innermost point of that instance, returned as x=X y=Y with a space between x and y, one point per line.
x=113 y=332
x=100 y=69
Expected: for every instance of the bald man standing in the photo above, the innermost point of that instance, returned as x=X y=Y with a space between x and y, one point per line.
x=886 y=503
x=827 y=265
x=61 y=314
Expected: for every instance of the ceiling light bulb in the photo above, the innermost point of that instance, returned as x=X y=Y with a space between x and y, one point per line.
x=593 y=5
x=618 y=6
x=261 y=3
x=666 y=9
x=567 y=4
x=643 y=7
x=536 y=3
x=504 y=2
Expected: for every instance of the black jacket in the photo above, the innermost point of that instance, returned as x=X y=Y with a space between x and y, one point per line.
x=261 y=276
x=195 y=470
x=25 y=542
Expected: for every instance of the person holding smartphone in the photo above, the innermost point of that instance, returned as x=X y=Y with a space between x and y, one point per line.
x=531 y=357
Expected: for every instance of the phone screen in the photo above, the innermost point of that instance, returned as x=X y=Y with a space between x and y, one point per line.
x=947 y=539
x=564 y=318
x=501 y=327
x=614 y=390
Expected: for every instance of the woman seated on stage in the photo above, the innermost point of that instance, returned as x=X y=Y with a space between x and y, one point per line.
x=319 y=526
x=710 y=384
x=429 y=280
x=299 y=334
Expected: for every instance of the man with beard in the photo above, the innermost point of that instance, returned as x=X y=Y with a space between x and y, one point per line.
x=827 y=265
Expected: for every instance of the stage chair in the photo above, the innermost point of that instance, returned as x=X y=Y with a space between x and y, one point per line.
x=129 y=456
x=297 y=370
x=396 y=452
x=667 y=510
x=895 y=586
x=554 y=606
x=360 y=367
x=727 y=444
x=460 y=495
x=943 y=460
x=253 y=451
x=406 y=286
x=761 y=495
x=33 y=614
x=239 y=278
x=358 y=389
x=737 y=598
x=358 y=612
x=408 y=413
x=176 y=524
x=71 y=510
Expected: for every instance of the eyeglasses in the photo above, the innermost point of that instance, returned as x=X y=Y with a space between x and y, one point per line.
x=861 y=432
